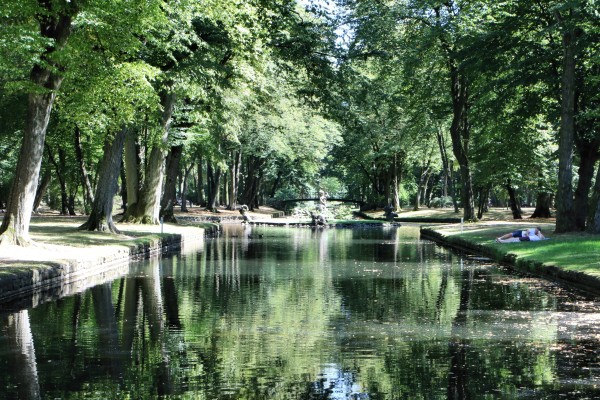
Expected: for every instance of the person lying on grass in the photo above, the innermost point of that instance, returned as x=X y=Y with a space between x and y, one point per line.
x=527 y=235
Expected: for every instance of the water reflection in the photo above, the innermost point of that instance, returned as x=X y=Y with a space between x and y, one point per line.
x=307 y=314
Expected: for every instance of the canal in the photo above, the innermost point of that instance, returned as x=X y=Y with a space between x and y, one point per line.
x=296 y=313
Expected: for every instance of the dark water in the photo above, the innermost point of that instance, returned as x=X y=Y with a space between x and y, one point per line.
x=268 y=313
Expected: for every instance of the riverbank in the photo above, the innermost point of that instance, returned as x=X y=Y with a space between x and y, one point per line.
x=63 y=258
x=573 y=259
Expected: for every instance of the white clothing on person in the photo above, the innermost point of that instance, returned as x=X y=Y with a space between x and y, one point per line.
x=529 y=235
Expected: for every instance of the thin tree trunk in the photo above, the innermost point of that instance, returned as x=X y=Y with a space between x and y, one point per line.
x=184 y=188
x=396 y=183
x=234 y=173
x=200 y=183
x=85 y=179
x=170 y=194
x=41 y=190
x=123 y=190
x=100 y=218
x=59 y=167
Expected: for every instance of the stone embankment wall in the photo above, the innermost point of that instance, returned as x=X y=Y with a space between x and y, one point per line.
x=26 y=286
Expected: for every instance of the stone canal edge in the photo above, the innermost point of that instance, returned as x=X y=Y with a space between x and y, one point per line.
x=31 y=283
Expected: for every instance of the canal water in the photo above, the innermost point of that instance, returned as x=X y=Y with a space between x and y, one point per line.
x=276 y=313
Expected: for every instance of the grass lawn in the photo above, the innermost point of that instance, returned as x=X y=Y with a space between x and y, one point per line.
x=578 y=252
x=56 y=239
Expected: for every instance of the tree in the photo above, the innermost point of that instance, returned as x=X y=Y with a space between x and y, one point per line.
x=54 y=19
x=100 y=218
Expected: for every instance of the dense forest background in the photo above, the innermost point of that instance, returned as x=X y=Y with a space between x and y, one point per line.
x=407 y=103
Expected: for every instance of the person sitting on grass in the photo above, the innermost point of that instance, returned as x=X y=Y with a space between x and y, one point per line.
x=527 y=235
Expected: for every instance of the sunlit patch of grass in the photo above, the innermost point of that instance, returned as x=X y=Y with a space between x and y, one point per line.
x=573 y=251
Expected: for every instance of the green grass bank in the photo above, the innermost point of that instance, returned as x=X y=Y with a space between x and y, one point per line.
x=572 y=258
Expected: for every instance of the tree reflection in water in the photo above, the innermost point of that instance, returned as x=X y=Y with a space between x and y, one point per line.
x=305 y=314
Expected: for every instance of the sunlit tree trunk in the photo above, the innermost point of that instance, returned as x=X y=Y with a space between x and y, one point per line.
x=147 y=208
x=100 y=218
x=57 y=29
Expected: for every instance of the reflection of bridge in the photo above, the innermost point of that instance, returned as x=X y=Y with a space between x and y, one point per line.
x=329 y=199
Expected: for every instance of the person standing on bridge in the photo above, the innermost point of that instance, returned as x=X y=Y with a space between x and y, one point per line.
x=323 y=198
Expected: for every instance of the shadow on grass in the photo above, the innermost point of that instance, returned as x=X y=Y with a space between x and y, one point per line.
x=69 y=235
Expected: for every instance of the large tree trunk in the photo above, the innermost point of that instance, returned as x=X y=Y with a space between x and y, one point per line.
x=56 y=28
x=565 y=217
x=100 y=218
x=460 y=129
x=15 y=225
x=146 y=210
x=85 y=180
x=169 y=198
x=542 y=205
x=460 y=134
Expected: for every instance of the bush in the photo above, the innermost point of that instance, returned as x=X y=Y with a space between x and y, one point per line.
x=441 y=202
